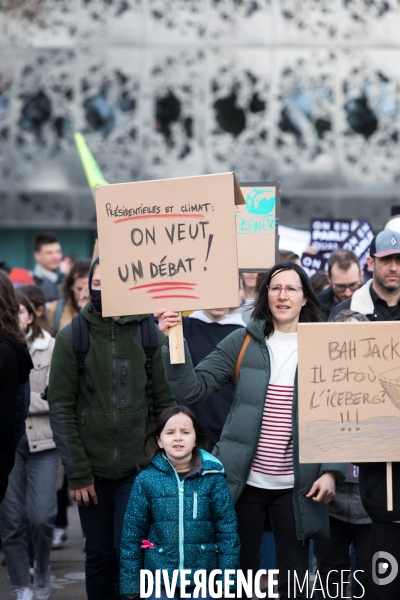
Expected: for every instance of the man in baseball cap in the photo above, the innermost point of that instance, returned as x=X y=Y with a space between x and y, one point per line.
x=379 y=298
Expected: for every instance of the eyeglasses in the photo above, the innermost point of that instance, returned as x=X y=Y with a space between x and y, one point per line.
x=290 y=290
x=341 y=287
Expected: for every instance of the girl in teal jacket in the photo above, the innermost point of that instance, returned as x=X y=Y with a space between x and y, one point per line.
x=180 y=514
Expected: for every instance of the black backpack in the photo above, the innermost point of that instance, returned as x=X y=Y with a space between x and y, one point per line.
x=81 y=343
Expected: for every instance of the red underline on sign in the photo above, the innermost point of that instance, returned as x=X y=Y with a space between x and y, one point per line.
x=173 y=296
x=169 y=289
x=168 y=216
x=163 y=283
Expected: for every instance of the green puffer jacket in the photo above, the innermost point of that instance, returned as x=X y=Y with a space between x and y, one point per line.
x=240 y=435
x=190 y=522
x=102 y=432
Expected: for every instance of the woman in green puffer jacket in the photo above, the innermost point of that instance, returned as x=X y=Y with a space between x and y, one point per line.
x=259 y=443
x=180 y=513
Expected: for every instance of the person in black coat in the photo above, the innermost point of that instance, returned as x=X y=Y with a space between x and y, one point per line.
x=384 y=551
x=15 y=366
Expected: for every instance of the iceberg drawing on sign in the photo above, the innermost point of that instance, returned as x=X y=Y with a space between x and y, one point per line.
x=261 y=202
x=390 y=381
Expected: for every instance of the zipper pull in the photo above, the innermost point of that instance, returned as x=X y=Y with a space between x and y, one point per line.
x=112 y=331
x=124 y=373
x=83 y=417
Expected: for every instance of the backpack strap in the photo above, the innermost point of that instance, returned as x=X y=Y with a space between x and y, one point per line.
x=150 y=345
x=242 y=352
x=58 y=314
x=80 y=346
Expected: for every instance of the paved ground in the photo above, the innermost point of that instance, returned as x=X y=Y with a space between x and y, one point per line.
x=67 y=566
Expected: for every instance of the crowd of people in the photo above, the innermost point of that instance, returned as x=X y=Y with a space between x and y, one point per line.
x=189 y=466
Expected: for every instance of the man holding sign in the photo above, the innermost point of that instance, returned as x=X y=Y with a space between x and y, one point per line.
x=99 y=413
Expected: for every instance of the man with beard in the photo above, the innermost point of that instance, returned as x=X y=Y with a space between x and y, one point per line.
x=379 y=298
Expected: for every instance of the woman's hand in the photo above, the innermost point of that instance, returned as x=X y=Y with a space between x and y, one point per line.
x=166 y=320
x=323 y=490
x=133 y=596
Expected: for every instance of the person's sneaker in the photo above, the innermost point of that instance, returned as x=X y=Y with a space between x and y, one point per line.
x=59 y=537
x=23 y=594
x=41 y=585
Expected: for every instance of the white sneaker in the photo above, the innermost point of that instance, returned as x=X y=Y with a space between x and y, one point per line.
x=41 y=585
x=23 y=593
x=59 y=537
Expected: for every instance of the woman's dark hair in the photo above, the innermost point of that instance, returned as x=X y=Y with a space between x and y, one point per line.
x=310 y=312
x=9 y=310
x=319 y=281
x=35 y=328
x=37 y=298
x=80 y=269
x=203 y=438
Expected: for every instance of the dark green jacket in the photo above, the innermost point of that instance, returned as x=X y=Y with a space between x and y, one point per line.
x=190 y=522
x=240 y=435
x=102 y=432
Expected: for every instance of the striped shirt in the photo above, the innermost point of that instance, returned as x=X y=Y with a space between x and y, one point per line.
x=273 y=461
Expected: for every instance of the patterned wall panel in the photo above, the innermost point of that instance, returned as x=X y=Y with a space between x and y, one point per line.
x=6 y=96
x=304 y=91
x=43 y=116
x=112 y=22
x=368 y=143
x=238 y=127
x=307 y=21
x=176 y=21
x=109 y=109
x=305 y=116
x=39 y=23
x=371 y=21
x=174 y=123
x=241 y=22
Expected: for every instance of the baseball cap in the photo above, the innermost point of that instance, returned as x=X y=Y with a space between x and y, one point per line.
x=385 y=243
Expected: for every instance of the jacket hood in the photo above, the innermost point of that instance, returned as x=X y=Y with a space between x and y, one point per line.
x=361 y=300
x=257 y=329
x=206 y=464
x=23 y=356
x=40 y=343
x=95 y=318
x=92 y=266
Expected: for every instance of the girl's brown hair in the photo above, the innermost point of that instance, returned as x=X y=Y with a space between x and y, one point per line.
x=35 y=328
x=203 y=438
x=9 y=310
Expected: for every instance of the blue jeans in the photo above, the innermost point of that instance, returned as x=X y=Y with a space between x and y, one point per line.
x=31 y=494
x=102 y=527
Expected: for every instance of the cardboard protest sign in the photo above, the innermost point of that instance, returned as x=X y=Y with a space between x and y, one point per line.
x=312 y=263
x=349 y=392
x=257 y=226
x=168 y=244
x=359 y=240
x=327 y=234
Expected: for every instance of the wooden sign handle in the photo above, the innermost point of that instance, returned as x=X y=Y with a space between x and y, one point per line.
x=176 y=349
x=389 y=486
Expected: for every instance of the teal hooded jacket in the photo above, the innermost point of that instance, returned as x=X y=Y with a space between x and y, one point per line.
x=241 y=432
x=190 y=522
